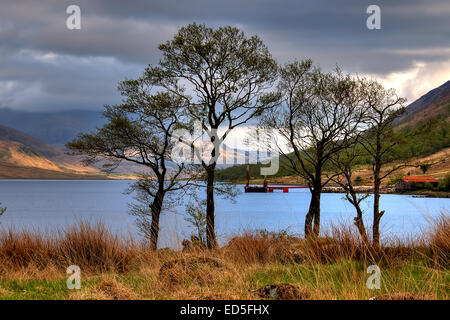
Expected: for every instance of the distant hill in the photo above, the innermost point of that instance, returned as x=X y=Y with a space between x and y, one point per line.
x=52 y=127
x=435 y=103
x=23 y=156
x=58 y=128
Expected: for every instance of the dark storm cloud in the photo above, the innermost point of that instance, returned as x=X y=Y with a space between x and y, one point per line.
x=43 y=65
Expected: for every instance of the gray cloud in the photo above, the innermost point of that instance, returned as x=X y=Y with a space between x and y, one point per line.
x=45 y=66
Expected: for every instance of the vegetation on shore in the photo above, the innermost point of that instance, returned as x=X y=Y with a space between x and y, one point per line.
x=33 y=266
x=424 y=139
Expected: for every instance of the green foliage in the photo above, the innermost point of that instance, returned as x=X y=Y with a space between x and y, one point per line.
x=428 y=186
x=424 y=139
x=358 y=180
x=278 y=235
x=2 y=210
x=424 y=167
x=395 y=179
x=195 y=210
x=31 y=289
x=444 y=184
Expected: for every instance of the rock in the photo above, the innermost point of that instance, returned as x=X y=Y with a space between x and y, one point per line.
x=283 y=291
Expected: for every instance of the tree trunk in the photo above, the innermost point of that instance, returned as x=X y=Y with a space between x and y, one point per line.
x=313 y=214
x=359 y=223
x=376 y=207
x=155 y=208
x=210 y=231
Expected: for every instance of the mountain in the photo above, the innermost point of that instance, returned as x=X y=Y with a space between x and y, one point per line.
x=435 y=103
x=55 y=128
x=23 y=156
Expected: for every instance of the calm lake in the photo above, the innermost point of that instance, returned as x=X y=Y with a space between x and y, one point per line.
x=51 y=204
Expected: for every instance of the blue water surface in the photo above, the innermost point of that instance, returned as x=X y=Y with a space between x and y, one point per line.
x=47 y=205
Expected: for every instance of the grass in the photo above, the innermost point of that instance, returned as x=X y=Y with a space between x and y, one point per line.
x=33 y=266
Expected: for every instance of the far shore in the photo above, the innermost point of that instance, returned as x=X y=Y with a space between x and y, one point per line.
x=385 y=189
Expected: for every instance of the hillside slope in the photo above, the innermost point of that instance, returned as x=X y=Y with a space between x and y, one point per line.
x=434 y=103
x=23 y=156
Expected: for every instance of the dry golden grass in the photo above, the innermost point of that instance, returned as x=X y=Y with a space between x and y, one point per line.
x=93 y=248
x=33 y=266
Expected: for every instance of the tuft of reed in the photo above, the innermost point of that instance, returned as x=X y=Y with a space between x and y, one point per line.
x=329 y=267
x=438 y=240
x=259 y=247
x=92 y=247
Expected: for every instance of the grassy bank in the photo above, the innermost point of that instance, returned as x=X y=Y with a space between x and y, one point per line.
x=33 y=266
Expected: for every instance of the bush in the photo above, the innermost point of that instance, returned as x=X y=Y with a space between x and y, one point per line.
x=428 y=186
x=358 y=180
x=444 y=184
x=395 y=179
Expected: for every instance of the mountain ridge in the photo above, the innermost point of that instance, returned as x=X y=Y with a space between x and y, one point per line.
x=21 y=152
x=434 y=102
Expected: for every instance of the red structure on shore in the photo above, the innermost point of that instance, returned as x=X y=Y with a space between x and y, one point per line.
x=420 y=179
x=415 y=182
x=265 y=187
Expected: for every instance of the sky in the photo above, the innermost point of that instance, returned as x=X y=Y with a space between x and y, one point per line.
x=44 y=66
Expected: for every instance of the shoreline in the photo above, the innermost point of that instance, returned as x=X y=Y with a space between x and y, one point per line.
x=385 y=189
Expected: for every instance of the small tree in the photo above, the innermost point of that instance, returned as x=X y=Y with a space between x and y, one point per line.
x=2 y=210
x=380 y=140
x=318 y=115
x=139 y=131
x=342 y=167
x=424 y=167
x=227 y=75
x=196 y=212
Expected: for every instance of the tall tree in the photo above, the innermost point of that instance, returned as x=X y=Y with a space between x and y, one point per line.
x=227 y=75
x=380 y=140
x=139 y=131
x=318 y=117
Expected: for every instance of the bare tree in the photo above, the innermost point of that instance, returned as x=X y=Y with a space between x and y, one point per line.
x=227 y=75
x=380 y=139
x=139 y=131
x=342 y=164
x=318 y=117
